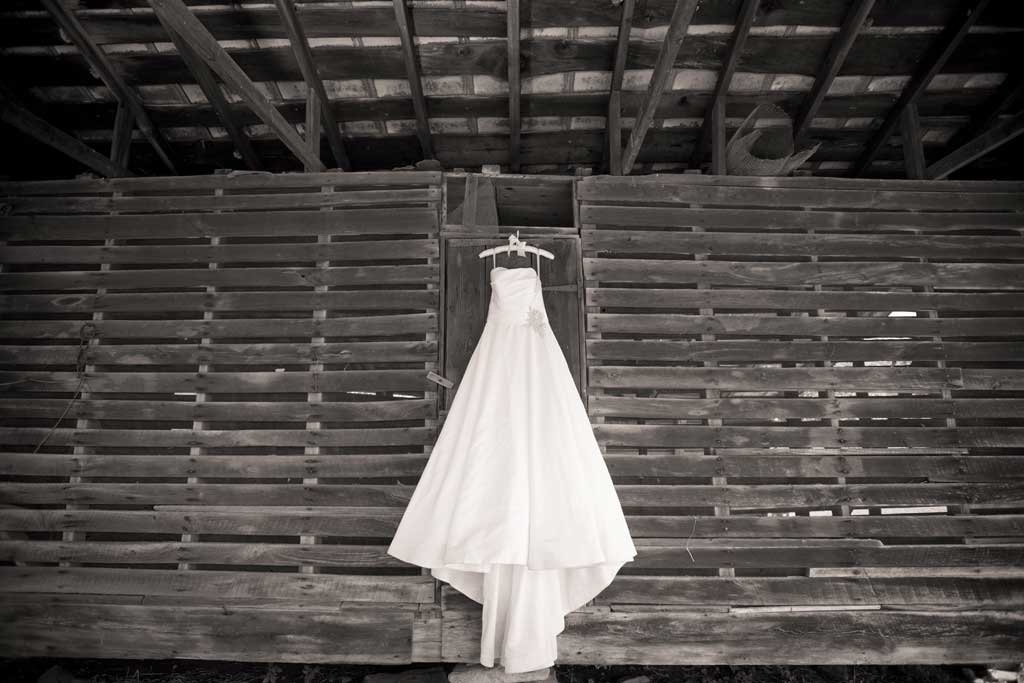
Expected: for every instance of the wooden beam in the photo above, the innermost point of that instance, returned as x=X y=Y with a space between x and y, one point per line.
x=981 y=145
x=718 y=165
x=97 y=59
x=614 y=123
x=837 y=52
x=513 y=85
x=304 y=56
x=412 y=72
x=15 y=114
x=312 y=124
x=121 y=140
x=913 y=152
x=940 y=51
x=1008 y=92
x=181 y=20
x=744 y=20
x=215 y=96
x=678 y=24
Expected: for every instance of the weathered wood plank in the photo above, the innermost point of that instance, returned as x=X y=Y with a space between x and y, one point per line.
x=260 y=328
x=384 y=632
x=774 y=379
x=975 y=247
x=772 y=273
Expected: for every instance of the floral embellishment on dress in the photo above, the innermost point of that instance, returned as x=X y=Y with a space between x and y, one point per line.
x=535 y=319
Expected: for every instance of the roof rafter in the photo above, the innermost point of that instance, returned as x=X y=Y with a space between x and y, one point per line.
x=304 y=56
x=15 y=114
x=682 y=14
x=997 y=135
x=936 y=57
x=744 y=20
x=514 y=122
x=837 y=52
x=215 y=96
x=181 y=20
x=412 y=73
x=1009 y=91
x=614 y=121
x=97 y=59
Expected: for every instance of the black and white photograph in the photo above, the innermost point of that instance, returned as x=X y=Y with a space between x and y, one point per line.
x=509 y=341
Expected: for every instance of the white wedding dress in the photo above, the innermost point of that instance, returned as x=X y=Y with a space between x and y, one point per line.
x=515 y=507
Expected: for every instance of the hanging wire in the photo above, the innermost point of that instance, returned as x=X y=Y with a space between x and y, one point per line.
x=85 y=333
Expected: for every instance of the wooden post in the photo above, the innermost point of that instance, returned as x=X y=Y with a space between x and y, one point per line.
x=304 y=56
x=14 y=114
x=312 y=126
x=614 y=122
x=121 y=139
x=739 y=39
x=913 y=153
x=718 y=165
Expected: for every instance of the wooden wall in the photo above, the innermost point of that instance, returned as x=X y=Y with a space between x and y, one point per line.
x=809 y=392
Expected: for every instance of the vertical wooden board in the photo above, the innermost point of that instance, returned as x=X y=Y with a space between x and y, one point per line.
x=468 y=292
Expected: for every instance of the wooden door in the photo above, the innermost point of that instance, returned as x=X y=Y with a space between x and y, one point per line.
x=468 y=294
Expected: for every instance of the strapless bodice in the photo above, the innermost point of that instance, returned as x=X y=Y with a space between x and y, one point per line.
x=515 y=293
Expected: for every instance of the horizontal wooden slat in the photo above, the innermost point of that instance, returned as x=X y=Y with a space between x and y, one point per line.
x=378 y=465
x=230 y=182
x=699 y=637
x=371 y=521
x=223 y=254
x=949 y=593
x=677 y=189
x=219 y=438
x=799 y=219
x=787 y=300
x=261 y=328
x=327 y=587
x=392 y=220
x=997 y=276
x=223 y=382
x=249 y=278
x=231 y=354
x=336 y=300
x=777 y=379
x=806 y=408
x=895 y=247
x=980 y=495
x=834 y=326
x=678 y=436
x=234 y=411
x=297 y=632
x=796 y=351
x=225 y=202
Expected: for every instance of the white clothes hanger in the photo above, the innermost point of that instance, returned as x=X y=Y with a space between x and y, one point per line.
x=517 y=245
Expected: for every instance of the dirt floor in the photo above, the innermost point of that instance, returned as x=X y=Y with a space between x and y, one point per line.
x=184 y=671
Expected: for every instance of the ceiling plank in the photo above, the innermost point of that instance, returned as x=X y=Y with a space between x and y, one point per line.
x=940 y=51
x=181 y=20
x=97 y=59
x=215 y=96
x=744 y=20
x=614 y=121
x=837 y=52
x=514 y=122
x=1009 y=91
x=913 y=149
x=15 y=114
x=412 y=71
x=304 y=56
x=678 y=24
x=997 y=135
x=121 y=140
